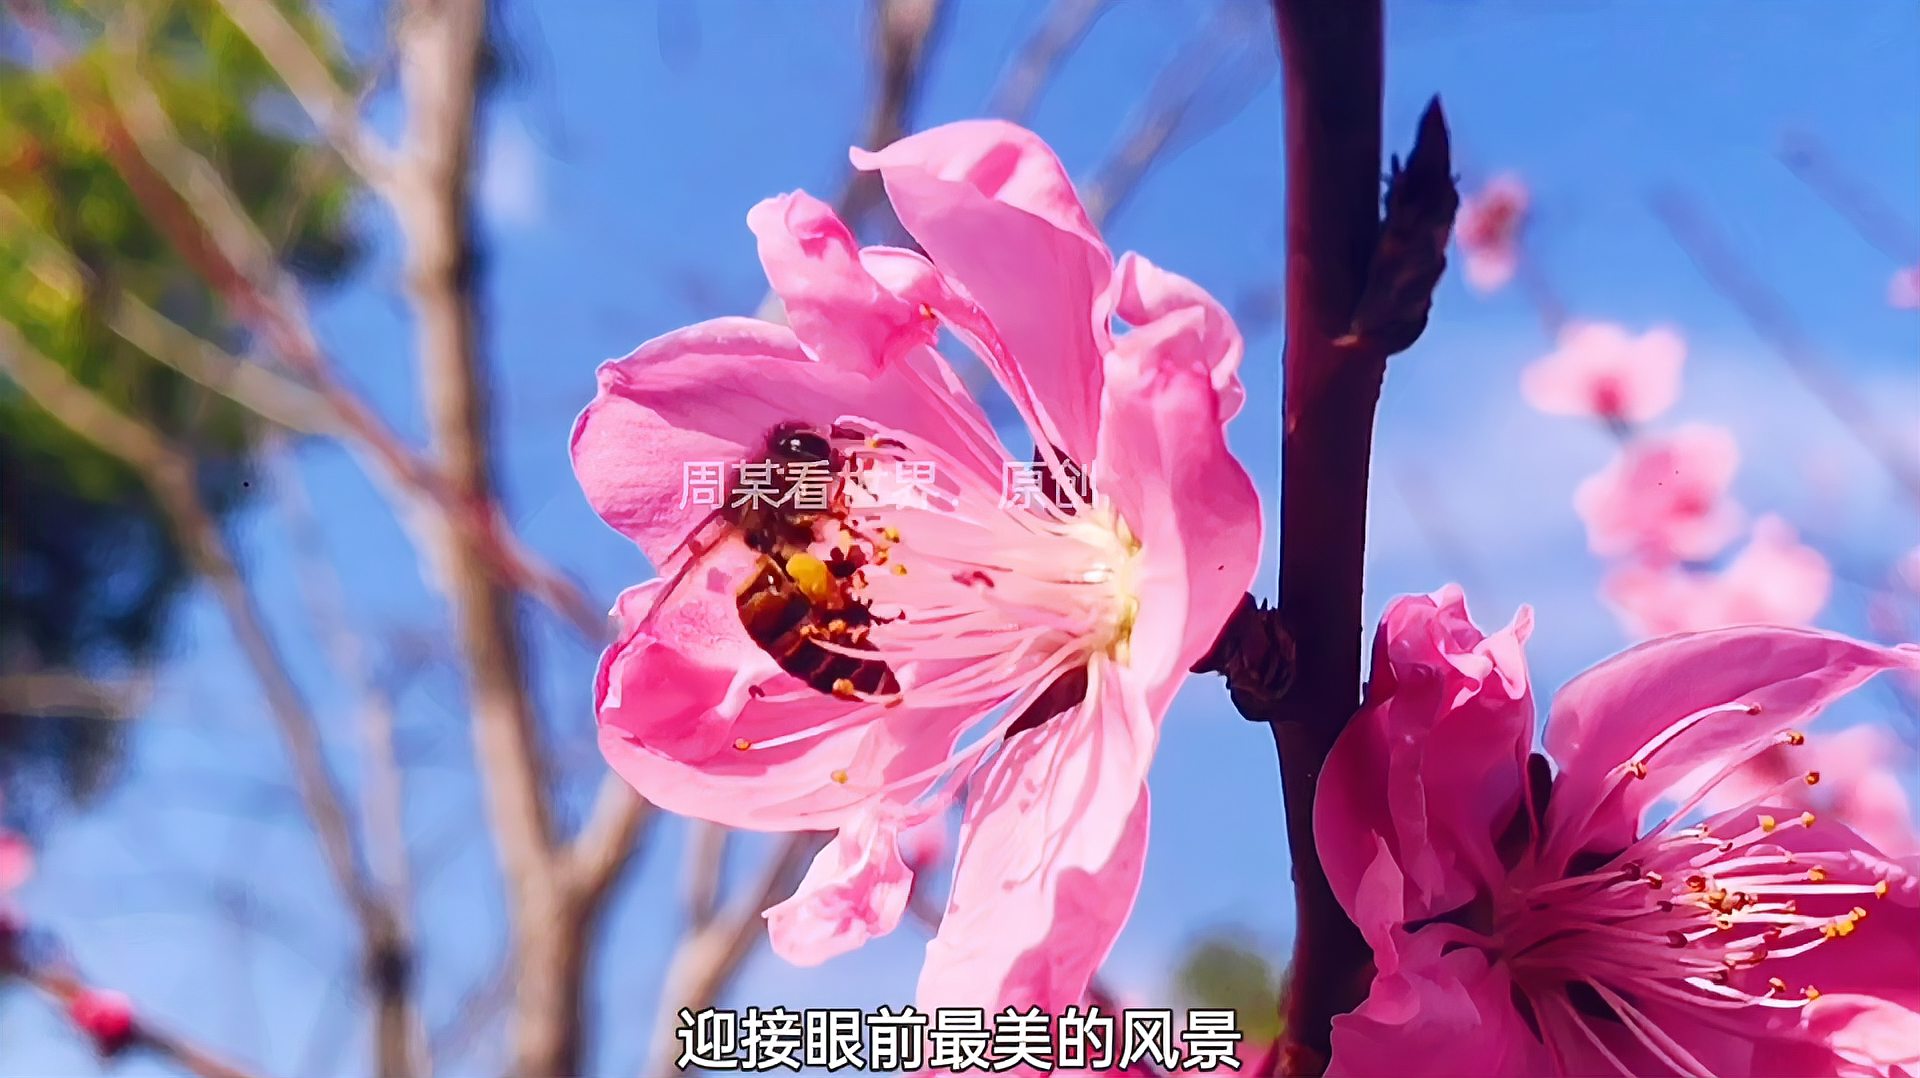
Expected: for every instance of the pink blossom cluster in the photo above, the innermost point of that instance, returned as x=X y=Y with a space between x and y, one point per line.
x=1661 y=511
x=1488 y=229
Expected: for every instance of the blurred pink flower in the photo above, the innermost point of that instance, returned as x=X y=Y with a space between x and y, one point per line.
x=1600 y=370
x=1903 y=290
x=1663 y=498
x=1865 y=759
x=16 y=858
x=1488 y=228
x=106 y=1017
x=1037 y=644
x=1527 y=920
x=1774 y=580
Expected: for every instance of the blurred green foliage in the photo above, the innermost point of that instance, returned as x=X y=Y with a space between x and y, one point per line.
x=1224 y=971
x=88 y=570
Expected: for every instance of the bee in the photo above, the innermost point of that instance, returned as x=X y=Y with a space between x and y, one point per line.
x=793 y=601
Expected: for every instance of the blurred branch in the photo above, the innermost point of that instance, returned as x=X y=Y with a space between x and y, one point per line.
x=65 y=695
x=1766 y=311
x=710 y=953
x=1872 y=217
x=331 y=108
x=1167 y=108
x=607 y=840
x=259 y=390
x=1064 y=25
x=170 y=476
x=63 y=988
x=902 y=32
x=399 y=1034
x=478 y=1007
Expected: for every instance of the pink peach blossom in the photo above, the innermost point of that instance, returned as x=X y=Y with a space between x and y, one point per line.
x=1488 y=228
x=1663 y=498
x=1601 y=370
x=1531 y=916
x=1903 y=290
x=16 y=858
x=1037 y=645
x=1774 y=580
x=1870 y=798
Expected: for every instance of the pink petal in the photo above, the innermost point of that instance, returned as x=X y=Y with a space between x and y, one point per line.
x=674 y=708
x=1433 y=766
x=1903 y=289
x=1601 y=370
x=1165 y=462
x=1051 y=850
x=1774 y=580
x=855 y=890
x=1443 y=1012
x=994 y=209
x=842 y=314
x=1687 y=697
x=1149 y=294
x=1663 y=498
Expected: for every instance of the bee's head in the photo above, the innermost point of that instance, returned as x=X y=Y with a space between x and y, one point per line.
x=798 y=443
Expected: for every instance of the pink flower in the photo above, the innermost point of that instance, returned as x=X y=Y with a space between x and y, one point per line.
x=1531 y=917
x=1871 y=800
x=1903 y=290
x=1488 y=228
x=1663 y=498
x=1036 y=641
x=106 y=1017
x=1601 y=370
x=1775 y=580
x=16 y=859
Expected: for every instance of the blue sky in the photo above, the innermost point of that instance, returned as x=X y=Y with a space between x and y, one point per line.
x=616 y=183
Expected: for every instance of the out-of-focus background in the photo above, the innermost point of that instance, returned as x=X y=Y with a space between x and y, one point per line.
x=256 y=695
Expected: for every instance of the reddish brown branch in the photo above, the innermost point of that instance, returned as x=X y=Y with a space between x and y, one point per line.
x=1355 y=293
x=62 y=988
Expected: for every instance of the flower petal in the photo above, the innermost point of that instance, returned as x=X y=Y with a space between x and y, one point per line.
x=1051 y=850
x=1433 y=767
x=1679 y=703
x=995 y=210
x=855 y=890
x=1149 y=294
x=839 y=311
x=1441 y=1013
x=1164 y=461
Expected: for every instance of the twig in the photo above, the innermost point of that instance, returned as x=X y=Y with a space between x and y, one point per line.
x=902 y=33
x=332 y=109
x=61 y=987
x=169 y=475
x=61 y=694
x=1164 y=110
x=1061 y=29
x=1878 y=223
x=1766 y=311
x=399 y=1034
x=711 y=953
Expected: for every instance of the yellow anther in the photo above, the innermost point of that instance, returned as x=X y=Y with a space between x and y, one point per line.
x=1795 y=737
x=1811 y=993
x=1806 y=819
x=1813 y=778
x=1880 y=889
x=742 y=744
x=839 y=777
x=1817 y=874
x=890 y=533
x=1638 y=769
x=843 y=688
x=1776 y=984
x=1768 y=823
x=899 y=569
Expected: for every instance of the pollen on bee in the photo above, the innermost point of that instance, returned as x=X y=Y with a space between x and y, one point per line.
x=811 y=576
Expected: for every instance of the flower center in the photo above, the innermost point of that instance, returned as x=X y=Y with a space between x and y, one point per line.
x=1705 y=915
